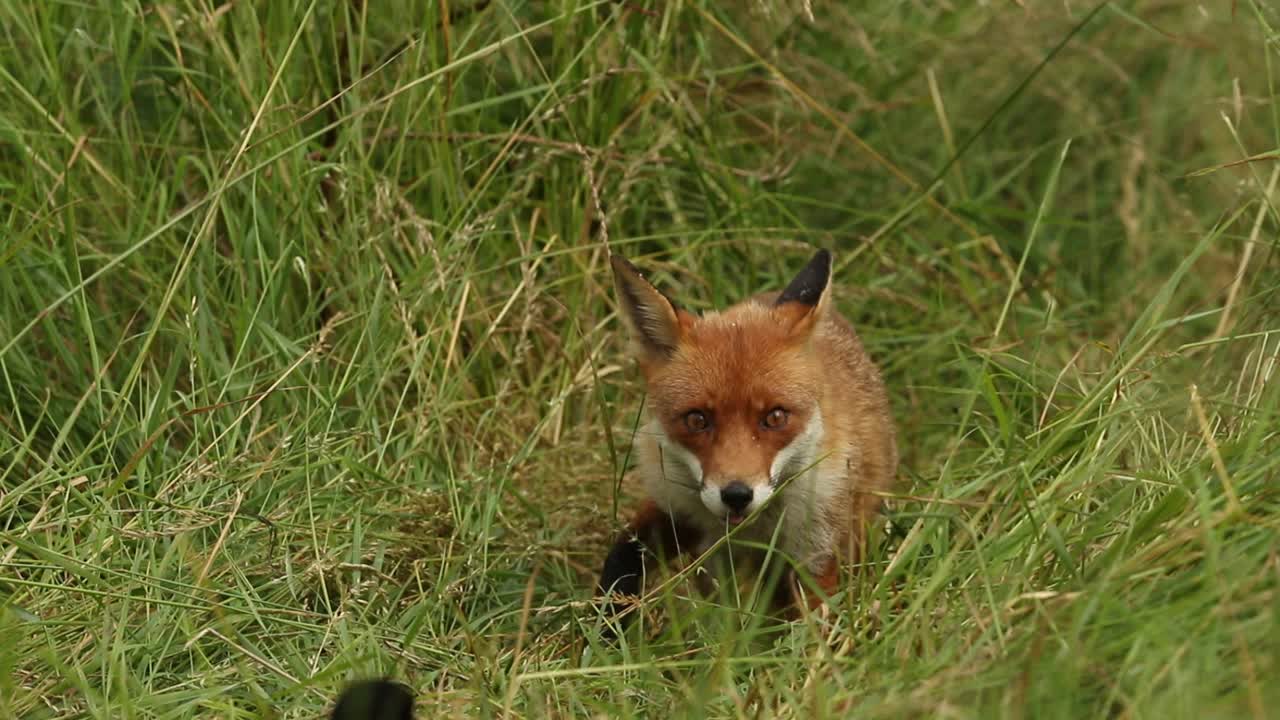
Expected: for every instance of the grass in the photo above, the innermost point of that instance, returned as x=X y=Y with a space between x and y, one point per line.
x=311 y=369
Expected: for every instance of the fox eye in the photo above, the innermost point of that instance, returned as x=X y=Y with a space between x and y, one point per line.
x=696 y=421
x=775 y=418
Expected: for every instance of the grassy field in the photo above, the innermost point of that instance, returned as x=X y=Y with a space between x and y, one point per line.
x=311 y=370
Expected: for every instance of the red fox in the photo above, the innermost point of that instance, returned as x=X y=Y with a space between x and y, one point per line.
x=768 y=415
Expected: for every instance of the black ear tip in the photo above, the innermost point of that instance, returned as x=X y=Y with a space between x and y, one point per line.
x=807 y=286
x=621 y=264
x=822 y=259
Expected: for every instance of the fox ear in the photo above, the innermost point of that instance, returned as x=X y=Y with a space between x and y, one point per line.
x=807 y=296
x=655 y=322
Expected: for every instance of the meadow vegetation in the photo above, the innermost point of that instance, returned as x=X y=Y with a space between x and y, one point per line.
x=310 y=367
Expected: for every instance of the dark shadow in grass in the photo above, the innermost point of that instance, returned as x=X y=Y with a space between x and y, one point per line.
x=374 y=700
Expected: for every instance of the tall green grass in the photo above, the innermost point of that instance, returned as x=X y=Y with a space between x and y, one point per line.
x=311 y=370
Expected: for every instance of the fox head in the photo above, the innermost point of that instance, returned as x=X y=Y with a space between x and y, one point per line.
x=734 y=393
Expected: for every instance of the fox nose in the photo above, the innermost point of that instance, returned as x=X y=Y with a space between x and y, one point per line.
x=736 y=495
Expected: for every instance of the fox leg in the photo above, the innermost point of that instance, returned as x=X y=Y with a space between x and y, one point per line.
x=793 y=599
x=828 y=581
x=826 y=575
x=651 y=529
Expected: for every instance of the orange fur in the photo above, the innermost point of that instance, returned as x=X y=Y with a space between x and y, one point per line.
x=818 y=471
